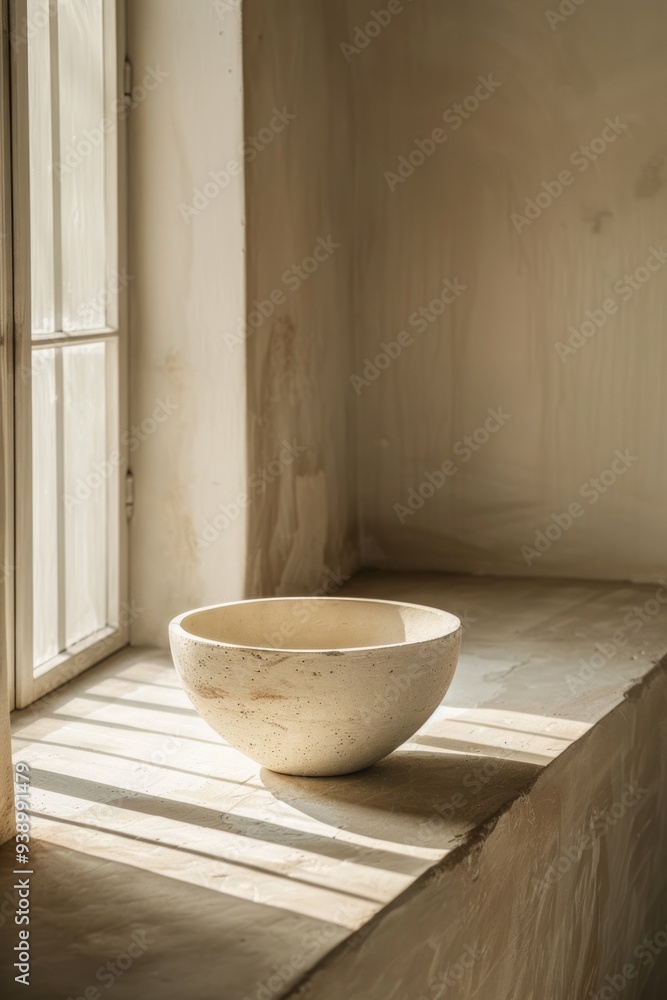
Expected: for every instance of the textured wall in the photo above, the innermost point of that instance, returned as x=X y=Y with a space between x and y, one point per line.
x=527 y=281
x=187 y=291
x=302 y=518
x=340 y=107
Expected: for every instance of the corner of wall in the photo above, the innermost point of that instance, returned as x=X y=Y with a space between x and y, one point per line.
x=302 y=511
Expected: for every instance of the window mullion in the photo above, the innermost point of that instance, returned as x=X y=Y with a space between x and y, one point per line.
x=60 y=499
x=55 y=153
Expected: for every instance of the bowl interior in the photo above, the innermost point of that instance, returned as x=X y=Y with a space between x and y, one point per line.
x=318 y=623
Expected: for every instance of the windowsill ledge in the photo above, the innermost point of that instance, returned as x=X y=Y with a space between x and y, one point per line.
x=144 y=821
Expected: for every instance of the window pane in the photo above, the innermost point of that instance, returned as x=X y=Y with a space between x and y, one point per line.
x=82 y=158
x=45 y=507
x=87 y=476
x=41 y=158
x=75 y=387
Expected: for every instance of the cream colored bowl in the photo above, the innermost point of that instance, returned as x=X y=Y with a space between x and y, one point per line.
x=315 y=685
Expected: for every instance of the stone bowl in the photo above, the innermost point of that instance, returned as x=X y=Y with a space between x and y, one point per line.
x=315 y=685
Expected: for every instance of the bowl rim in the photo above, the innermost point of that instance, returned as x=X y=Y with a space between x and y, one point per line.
x=176 y=628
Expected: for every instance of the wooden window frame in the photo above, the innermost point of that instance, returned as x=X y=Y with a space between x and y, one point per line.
x=30 y=684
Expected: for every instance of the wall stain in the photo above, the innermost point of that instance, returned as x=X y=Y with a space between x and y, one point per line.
x=598 y=219
x=173 y=371
x=652 y=177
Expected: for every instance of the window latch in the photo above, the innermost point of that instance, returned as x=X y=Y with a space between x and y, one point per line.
x=129 y=495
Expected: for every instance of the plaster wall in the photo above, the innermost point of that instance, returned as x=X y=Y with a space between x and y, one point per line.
x=322 y=454
x=188 y=405
x=552 y=87
x=303 y=516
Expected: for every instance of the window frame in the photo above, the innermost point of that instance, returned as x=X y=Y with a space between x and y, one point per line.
x=6 y=368
x=30 y=684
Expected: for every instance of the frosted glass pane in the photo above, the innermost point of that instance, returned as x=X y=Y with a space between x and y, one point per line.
x=86 y=480
x=45 y=507
x=41 y=158
x=82 y=158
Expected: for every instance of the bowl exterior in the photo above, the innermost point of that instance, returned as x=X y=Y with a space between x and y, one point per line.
x=318 y=712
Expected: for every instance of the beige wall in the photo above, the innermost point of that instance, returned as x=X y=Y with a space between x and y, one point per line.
x=227 y=505
x=302 y=524
x=187 y=291
x=322 y=452
x=494 y=345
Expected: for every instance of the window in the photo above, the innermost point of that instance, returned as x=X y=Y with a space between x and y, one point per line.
x=70 y=283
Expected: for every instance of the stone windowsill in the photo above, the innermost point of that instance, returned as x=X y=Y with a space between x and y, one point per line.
x=247 y=883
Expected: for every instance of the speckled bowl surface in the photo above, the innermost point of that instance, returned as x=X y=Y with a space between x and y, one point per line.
x=315 y=685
